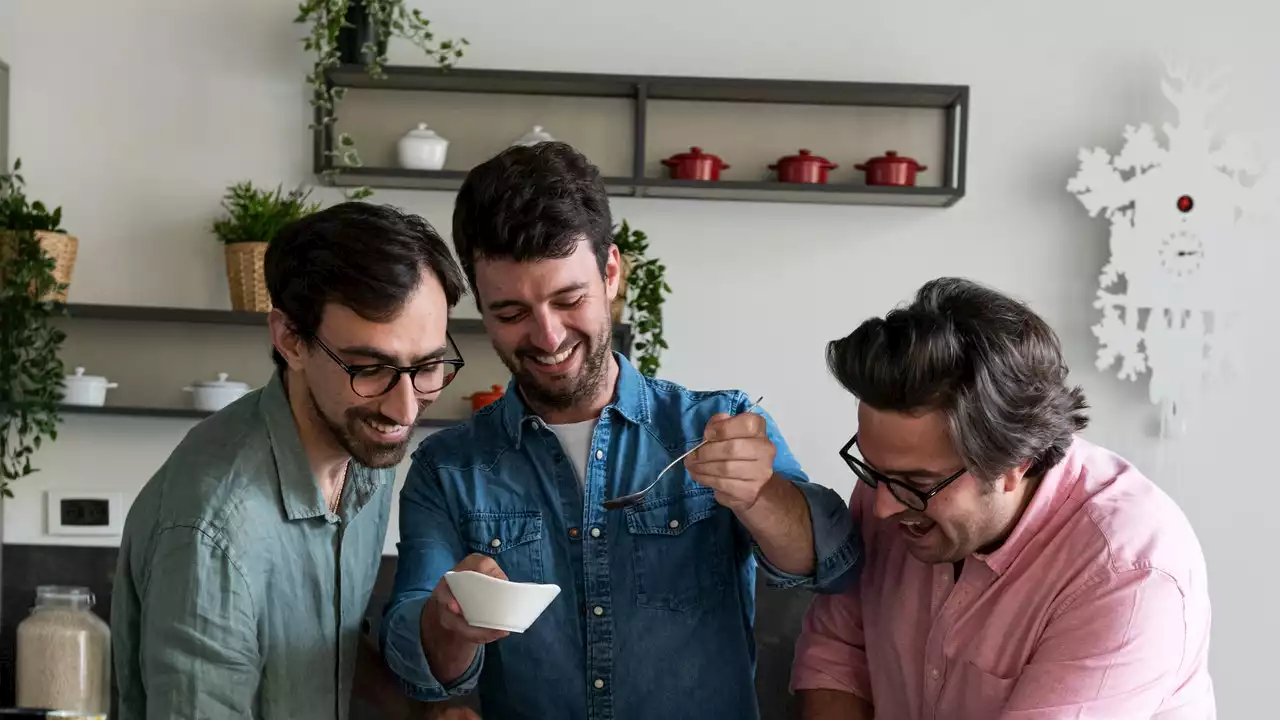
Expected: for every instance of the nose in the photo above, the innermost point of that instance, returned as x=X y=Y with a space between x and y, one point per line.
x=886 y=505
x=548 y=333
x=401 y=402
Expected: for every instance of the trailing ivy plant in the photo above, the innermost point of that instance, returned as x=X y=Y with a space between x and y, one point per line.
x=647 y=289
x=258 y=215
x=373 y=23
x=31 y=369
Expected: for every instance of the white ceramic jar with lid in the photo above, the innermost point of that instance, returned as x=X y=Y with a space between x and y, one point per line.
x=422 y=149
x=213 y=395
x=63 y=659
x=81 y=389
x=534 y=136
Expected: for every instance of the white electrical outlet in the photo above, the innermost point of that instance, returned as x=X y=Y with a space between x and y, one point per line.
x=83 y=512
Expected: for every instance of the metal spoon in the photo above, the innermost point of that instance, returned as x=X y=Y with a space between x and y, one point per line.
x=636 y=498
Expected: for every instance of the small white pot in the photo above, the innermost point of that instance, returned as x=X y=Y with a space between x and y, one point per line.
x=533 y=137
x=81 y=389
x=213 y=395
x=422 y=149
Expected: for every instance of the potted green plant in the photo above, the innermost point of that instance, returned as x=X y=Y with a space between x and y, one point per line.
x=357 y=31
x=17 y=213
x=254 y=216
x=31 y=369
x=643 y=291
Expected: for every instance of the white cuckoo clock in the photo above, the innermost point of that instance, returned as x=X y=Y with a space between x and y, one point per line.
x=1181 y=243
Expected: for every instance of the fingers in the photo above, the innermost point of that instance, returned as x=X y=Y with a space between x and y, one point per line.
x=758 y=449
x=713 y=474
x=483 y=564
x=725 y=427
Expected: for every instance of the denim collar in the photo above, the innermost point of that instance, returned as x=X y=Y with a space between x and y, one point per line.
x=630 y=401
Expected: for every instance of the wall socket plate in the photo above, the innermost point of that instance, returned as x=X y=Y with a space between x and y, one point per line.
x=84 y=512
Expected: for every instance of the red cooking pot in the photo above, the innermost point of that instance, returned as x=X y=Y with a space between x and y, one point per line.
x=695 y=165
x=889 y=169
x=803 y=168
x=481 y=398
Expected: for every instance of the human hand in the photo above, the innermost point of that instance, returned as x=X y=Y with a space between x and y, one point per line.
x=736 y=462
x=447 y=614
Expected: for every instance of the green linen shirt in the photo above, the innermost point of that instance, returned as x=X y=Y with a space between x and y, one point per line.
x=237 y=594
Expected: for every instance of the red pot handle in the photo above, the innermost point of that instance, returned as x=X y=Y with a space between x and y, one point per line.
x=724 y=165
x=860 y=166
x=832 y=166
x=921 y=168
x=669 y=162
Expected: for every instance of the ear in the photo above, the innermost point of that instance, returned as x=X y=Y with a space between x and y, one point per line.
x=285 y=340
x=1015 y=476
x=612 y=273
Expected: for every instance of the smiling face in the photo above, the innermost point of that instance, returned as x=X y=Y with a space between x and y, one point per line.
x=375 y=431
x=968 y=516
x=549 y=322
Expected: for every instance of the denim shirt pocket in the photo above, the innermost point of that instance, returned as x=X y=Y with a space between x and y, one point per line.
x=678 y=550
x=513 y=539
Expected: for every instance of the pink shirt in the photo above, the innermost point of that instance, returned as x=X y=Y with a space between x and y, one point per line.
x=1095 y=607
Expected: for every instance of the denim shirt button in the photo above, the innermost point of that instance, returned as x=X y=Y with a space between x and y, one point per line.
x=598 y=610
x=496 y=542
x=598 y=683
x=599 y=454
x=673 y=524
x=595 y=532
x=573 y=532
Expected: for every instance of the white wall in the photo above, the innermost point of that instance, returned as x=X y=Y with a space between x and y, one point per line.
x=135 y=115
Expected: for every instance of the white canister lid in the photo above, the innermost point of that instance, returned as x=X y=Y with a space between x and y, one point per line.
x=80 y=377
x=222 y=382
x=534 y=136
x=422 y=132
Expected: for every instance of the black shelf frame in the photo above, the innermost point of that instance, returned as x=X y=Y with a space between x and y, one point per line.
x=622 y=332
x=953 y=99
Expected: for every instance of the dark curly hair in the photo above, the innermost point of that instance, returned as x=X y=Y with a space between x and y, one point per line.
x=986 y=361
x=531 y=203
x=367 y=257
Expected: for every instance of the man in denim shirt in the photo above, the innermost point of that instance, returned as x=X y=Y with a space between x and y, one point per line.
x=657 y=603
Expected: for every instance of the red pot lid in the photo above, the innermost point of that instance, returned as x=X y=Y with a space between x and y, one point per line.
x=806 y=157
x=695 y=153
x=891 y=158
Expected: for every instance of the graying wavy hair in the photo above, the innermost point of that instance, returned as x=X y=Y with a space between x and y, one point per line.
x=986 y=361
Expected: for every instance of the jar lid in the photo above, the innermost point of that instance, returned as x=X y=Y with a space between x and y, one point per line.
x=223 y=382
x=422 y=131
x=534 y=136
x=64 y=595
x=80 y=377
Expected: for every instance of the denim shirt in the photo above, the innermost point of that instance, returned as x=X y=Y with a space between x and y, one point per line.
x=657 y=602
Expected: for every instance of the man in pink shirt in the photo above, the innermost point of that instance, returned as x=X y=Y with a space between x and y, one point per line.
x=1013 y=571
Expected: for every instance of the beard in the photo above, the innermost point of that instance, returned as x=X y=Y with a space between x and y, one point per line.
x=349 y=434
x=563 y=391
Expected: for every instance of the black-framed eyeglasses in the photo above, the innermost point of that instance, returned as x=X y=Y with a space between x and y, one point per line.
x=905 y=494
x=370 y=381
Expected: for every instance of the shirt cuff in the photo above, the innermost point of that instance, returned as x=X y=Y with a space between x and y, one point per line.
x=836 y=543
x=403 y=651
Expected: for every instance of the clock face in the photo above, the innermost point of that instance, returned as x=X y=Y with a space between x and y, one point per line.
x=1181 y=252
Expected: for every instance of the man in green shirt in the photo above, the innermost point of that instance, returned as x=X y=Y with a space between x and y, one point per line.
x=248 y=559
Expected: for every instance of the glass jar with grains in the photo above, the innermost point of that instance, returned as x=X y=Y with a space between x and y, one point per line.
x=64 y=653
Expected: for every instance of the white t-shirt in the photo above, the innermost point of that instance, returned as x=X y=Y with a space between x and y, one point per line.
x=575 y=438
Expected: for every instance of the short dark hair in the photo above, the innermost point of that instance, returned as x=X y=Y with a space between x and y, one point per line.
x=531 y=203
x=986 y=361
x=366 y=257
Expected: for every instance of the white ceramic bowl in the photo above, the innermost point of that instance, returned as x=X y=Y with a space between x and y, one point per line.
x=488 y=602
x=213 y=395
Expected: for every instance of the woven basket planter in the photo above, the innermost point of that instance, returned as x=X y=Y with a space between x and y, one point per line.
x=59 y=246
x=245 y=278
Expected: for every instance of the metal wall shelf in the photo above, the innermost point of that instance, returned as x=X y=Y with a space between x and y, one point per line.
x=156 y=412
x=644 y=89
x=158 y=314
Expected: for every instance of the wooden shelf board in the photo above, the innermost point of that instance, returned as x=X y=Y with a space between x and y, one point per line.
x=159 y=412
x=656 y=87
